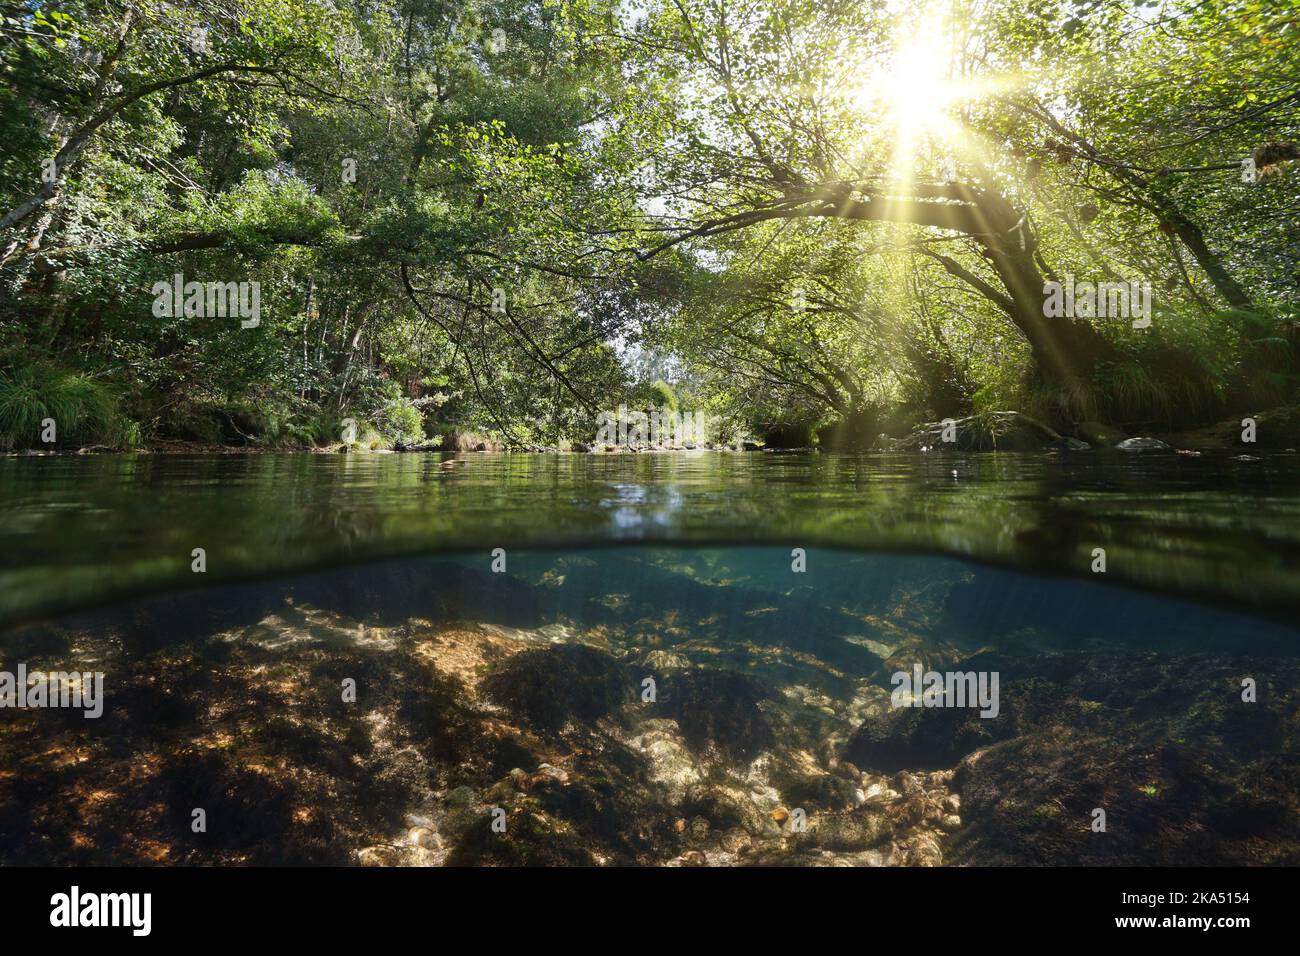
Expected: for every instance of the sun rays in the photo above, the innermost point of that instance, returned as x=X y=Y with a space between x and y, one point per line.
x=917 y=92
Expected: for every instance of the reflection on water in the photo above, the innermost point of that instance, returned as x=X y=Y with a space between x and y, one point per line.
x=654 y=705
x=77 y=530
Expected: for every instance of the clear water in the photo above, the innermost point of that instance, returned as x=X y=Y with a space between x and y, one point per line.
x=649 y=680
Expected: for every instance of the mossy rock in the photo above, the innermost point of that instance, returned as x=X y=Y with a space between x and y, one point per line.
x=531 y=838
x=812 y=791
x=718 y=712
x=924 y=738
x=988 y=431
x=725 y=807
x=844 y=832
x=552 y=686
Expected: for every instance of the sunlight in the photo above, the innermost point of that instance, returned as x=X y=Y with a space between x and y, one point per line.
x=914 y=91
x=917 y=94
x=912 y=87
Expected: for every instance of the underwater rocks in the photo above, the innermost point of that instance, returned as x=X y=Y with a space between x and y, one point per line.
x=551 y=686
x=468 y=741
x=718 y=712
x=309 y=735
x=1185 y=770
x=600 y=808
x=730 y=805
x=1166 y=803
x=400 y=855
x=922 y=738
x=671 y=764
x=457 y=744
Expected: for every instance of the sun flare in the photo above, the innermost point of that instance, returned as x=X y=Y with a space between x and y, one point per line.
x=917 y=94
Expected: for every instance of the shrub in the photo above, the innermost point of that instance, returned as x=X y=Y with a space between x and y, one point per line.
x=85 y=411
x=399 y=421
x=664 y=395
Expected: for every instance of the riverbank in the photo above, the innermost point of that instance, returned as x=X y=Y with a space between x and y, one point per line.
x=1275 y=429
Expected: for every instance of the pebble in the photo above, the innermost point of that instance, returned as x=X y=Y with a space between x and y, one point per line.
x=780 y=815
x=847 y=770
x=461 y=796
x=907 y=783
x=924 y=851
x=425 y=837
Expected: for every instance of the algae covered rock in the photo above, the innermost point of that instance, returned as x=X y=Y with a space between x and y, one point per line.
x=990 y=431
x=923 y=738
x=1099 y=434
x=1186 y=771
x=551 y=686
x=1143 y=444
x=856 y=830
x=718 y=712
x=725 y=806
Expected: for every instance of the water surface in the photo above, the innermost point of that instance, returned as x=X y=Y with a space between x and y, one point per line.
x=77 y=530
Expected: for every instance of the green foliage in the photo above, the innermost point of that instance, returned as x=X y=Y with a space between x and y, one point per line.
x=664 y=395
x=84 y=411
x=453 y=237
x=392 y=415
x=399 y=421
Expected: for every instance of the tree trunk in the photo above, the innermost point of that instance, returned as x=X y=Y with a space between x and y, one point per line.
x=1192 y=237
x=1064 y=349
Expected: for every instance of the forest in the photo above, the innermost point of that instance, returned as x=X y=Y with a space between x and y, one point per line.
x=485 y=223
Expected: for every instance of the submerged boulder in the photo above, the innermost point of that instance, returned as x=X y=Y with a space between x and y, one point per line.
x=551 y=686
x=855 y=830
x=725 y=806
x=718 y=712
x=923 y=738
